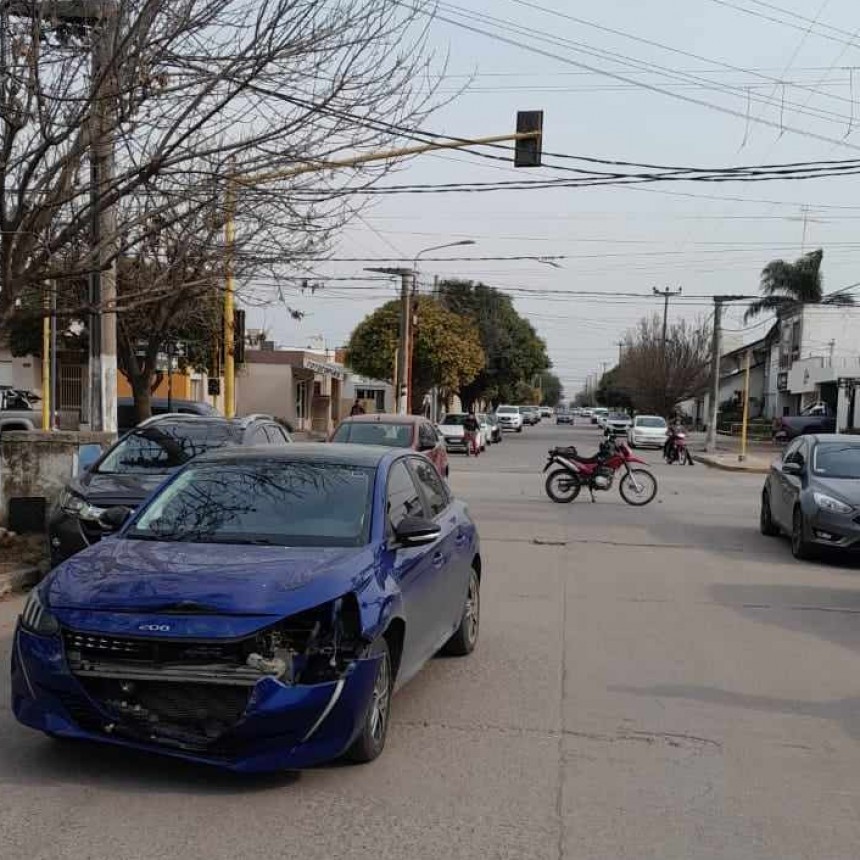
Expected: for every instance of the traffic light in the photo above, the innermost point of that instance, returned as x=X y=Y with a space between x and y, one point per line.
x=527 y=150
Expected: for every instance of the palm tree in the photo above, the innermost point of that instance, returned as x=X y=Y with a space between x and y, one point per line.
x=788 y=286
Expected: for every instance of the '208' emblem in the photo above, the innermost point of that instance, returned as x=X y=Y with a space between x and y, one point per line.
x=154 y=628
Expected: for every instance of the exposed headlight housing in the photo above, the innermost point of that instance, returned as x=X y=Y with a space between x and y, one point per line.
x=79 y=507
x=36 y=618
x=828 y=503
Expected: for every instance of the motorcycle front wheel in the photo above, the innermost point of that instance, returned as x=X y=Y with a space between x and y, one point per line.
x=638 y=487
x=562 y=486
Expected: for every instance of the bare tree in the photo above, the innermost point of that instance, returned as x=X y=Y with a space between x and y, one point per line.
x=657 y=379
x=184 y=92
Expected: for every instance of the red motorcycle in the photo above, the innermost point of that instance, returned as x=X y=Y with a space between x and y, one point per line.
x=676 y=450
x=637 y=486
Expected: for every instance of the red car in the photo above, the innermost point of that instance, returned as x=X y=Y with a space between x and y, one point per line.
x=395 y=431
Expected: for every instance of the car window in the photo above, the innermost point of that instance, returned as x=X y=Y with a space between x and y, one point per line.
x=647 y=421
x=374 y=433
x=262 y=501
x=431 y=485
x=427 y=437
x=455 y=419
x=164 y=446
x=836 y=460
x=277 y=435
x=403 y=497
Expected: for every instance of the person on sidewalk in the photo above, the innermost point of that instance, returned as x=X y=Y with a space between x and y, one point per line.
x=470 y=431
x=357 y=408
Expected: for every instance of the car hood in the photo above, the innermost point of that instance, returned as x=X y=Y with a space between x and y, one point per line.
x=846 y=489
x=120 y=575
x=105 y=489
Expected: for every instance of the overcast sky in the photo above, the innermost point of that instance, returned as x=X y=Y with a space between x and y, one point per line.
x=720 y=69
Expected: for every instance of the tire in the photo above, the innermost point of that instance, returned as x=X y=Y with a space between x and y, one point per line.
x=562 y=486
x=519 y=429
x=690 y=461
x=628 y=491
x=371 y=739
x=447 y=471
x=632 y=444
x=465 y=637
x=801 y=548
x=765 y=521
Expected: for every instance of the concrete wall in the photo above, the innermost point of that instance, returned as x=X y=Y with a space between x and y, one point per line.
x=39 y=464
x=266 y=388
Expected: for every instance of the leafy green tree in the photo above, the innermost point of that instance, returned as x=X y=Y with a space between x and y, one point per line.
x=788 y=286
x=514 y=352
x=446 y=353
x=611 y=393
x=551 y=389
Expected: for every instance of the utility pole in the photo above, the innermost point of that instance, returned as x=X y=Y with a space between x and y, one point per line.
x=99 y=17
x=620 y=345
x=667 y=294
x=711 y=439
x=746 y=411
x=401 y=370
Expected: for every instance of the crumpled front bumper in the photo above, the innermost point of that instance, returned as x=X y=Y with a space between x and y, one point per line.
x=283 y=727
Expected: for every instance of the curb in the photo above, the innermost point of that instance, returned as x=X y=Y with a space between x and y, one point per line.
x=730 y=467
x=16 y=581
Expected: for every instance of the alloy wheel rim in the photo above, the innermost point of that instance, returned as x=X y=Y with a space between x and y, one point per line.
x=379 y=703
x=473 y=609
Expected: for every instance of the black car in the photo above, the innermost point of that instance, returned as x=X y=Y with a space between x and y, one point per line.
x=813 y=494
x=160 y=406
x=135 y=465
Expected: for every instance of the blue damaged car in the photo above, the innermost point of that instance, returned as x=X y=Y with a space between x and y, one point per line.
x=258 y=612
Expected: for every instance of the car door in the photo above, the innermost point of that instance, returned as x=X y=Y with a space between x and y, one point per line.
x=788 y=486
x=452 y=579
x=415 y=569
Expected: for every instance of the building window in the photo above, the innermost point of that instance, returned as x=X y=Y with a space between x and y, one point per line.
x=301 y=400
x=377 y=395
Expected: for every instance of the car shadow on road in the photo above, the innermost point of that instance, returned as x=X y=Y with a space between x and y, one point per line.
x=845 y=712
x=48 y=762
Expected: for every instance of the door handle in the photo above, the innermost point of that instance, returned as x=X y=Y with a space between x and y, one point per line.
x=438 y=560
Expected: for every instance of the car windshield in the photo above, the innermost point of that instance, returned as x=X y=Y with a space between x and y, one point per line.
x=456 y=420
x=507 y=410
x=277 y=503
x=649 y=421
x=374 y=433
x=166 y=446
x=617 y=416
x=836 y=460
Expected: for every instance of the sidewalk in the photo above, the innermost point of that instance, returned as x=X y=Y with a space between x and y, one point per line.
x=16 y=579
x=758 y=458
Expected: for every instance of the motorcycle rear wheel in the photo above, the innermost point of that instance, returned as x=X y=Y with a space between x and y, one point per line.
x=647 y=487
x=562 y=486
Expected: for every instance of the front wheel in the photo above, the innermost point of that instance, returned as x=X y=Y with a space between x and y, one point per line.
x=371 y=739
x=562 y=486
x=801 y=548
x=766 y=524
x=638 y=487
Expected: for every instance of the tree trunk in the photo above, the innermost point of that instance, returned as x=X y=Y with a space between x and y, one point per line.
x=141 y=390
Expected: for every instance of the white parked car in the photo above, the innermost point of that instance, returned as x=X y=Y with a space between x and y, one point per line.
x=546 y=412
x=510 y=418
x=599 y=416
x=618 y=422
x=648 y=430
x=451 y=428
x=486 y=428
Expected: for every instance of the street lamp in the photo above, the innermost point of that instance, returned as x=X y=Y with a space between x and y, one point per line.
x=434 y=393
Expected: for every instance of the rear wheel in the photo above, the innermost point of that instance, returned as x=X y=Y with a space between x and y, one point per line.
x=371 y=740
x=466 y=635
x=766 y=524
x=562 y=486
x=638 y=487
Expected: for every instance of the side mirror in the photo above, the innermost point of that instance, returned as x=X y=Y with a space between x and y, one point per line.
x=416 y=531
x=792 y=468
x=113 y=519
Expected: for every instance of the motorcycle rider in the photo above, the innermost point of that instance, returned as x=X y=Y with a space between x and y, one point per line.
x=675 y=427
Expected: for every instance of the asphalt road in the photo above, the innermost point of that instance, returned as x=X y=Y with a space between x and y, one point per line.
x=650 y=683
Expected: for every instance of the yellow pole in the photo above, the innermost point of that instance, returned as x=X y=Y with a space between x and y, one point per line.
x=743 y=455
x=46 y=365
x=229 y=293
